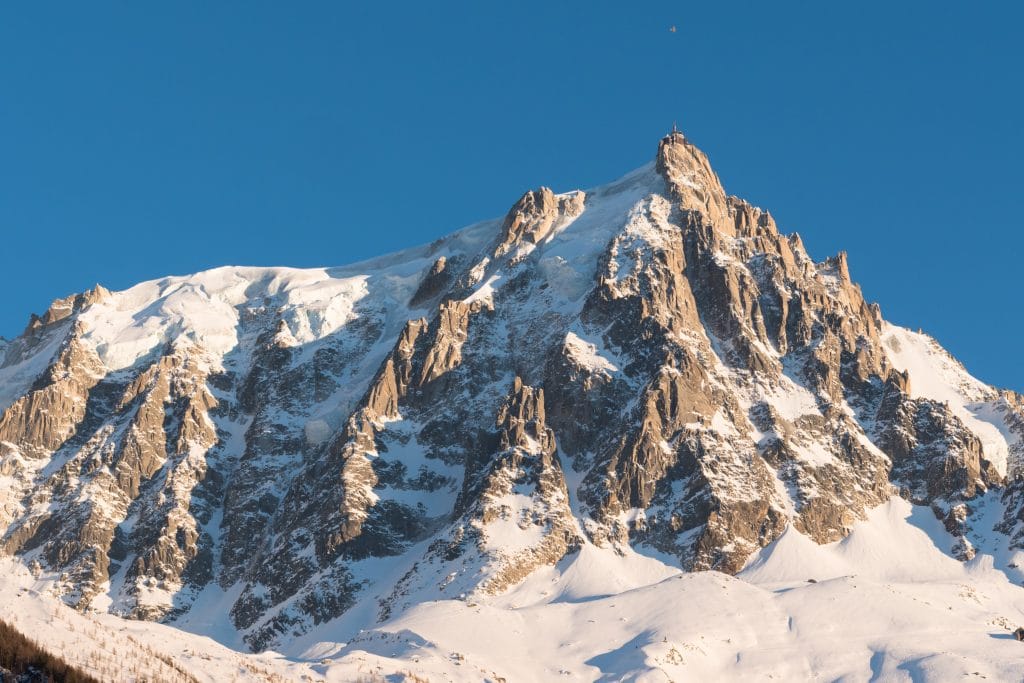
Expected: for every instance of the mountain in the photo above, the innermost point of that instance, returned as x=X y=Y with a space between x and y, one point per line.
x=558 y=410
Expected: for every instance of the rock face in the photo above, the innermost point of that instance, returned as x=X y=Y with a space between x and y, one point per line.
x=648 y=366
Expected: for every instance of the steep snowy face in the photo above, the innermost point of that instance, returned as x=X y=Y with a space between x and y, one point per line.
x=934 y=375
x=648 y=366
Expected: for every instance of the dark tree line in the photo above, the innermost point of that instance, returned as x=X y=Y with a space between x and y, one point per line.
x=22 y=659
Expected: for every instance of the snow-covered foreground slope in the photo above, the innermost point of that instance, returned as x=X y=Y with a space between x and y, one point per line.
x=113 y=649
x=884 y=604
x=877 y=602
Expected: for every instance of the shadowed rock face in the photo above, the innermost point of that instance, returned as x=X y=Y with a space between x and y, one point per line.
x=648 y=364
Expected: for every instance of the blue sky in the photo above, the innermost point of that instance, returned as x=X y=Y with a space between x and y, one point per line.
x=145 y=139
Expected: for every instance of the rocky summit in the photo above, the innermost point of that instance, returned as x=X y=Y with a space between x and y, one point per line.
x=647 y=368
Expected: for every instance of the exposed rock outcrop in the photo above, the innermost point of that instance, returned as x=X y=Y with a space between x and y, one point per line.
x=41 y=421
x=534 y=216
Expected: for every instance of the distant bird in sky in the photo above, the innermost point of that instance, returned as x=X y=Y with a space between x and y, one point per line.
x=672 y=29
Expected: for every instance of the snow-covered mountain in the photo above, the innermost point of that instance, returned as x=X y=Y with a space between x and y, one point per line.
x=510 y=453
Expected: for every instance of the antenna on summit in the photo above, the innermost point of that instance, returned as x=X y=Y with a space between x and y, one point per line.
x=675 y=130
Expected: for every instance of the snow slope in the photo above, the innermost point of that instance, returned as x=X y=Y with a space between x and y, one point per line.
x=123 y=650
x=885 y=604
x=936 y=375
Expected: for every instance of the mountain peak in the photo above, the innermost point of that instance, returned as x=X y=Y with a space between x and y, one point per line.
x=691 y=180
x=649 y=367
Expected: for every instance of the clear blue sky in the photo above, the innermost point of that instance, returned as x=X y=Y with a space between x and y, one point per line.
x=145 y=139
